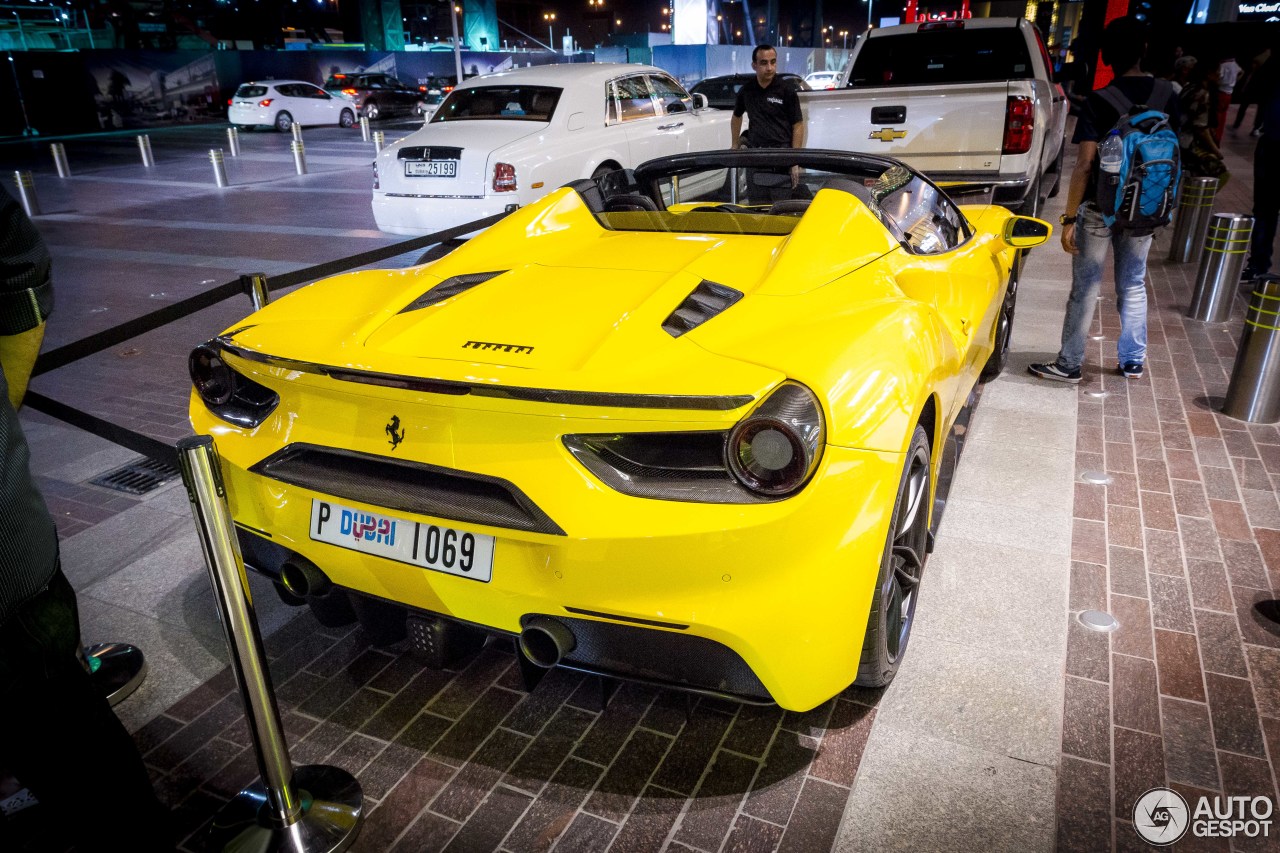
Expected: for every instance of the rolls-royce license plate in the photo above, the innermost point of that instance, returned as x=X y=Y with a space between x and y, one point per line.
x=431 y=169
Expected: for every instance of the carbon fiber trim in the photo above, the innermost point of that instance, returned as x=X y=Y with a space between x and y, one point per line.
x=412 y=487
x=667 y=657
x=695 y=402
x=707 y=300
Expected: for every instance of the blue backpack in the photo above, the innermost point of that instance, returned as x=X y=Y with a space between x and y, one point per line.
x=1141 y=198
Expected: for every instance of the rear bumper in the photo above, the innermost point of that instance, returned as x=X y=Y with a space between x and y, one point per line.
x=984 y=188
x=414 y=215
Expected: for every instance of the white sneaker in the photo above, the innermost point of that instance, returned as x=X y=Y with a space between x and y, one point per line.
x=1256 y=132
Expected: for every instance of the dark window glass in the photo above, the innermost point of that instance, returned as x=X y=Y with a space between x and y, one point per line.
x=520 y=103
x=249 y=91
x=941 y=56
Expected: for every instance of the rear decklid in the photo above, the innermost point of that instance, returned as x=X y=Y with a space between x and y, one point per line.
x=460 y=148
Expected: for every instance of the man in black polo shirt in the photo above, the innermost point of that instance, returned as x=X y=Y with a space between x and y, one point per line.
x=774 y=110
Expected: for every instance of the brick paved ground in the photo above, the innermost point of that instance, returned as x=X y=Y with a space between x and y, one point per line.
x=1183 y=547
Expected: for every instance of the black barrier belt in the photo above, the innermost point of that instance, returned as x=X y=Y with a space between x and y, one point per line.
x=129 y=329
x=136 y=441
x=76 y=350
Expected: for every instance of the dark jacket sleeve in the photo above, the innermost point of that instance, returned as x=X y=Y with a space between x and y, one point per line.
x=26 y=287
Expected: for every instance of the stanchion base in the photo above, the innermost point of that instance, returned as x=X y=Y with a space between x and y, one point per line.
x=117 y=669
x=333 y=807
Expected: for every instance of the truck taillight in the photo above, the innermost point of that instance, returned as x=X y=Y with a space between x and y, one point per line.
x=265 y=102
x=504 y=178
x=1019 y=122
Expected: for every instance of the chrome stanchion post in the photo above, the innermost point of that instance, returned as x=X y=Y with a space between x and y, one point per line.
x=296 y=130
x=60 y=159
x=299 y=156
x=1220 y=265
x=233 y=141
x=26 y=186
x=255 y=284
x=305 y=809
x=1195 y=203
x=144 y=148
x=1254 y=392
x=219 y=167
x=378 y=140
x=364 y=128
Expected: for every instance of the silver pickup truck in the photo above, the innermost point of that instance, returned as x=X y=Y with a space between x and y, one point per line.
x=971 y=103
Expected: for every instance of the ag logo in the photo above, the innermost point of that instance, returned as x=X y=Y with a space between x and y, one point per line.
x=1161 y=816
x=887 y=134
x=394 y=430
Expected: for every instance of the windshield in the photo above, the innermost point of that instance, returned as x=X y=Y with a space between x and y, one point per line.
x=519 y=103
x=935 y=57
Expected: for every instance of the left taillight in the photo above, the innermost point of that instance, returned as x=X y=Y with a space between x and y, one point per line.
x=231 y=396
x=265 y=102
x=1019 y=124
x=504 y=178
x=231 y=101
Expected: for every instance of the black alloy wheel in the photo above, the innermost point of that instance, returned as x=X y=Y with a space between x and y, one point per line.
x=346 y=118
x=1004 y=333
x=284 y=121
x=893 y=605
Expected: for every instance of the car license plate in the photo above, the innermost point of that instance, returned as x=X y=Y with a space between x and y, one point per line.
x=431 y=169
x=430 y=546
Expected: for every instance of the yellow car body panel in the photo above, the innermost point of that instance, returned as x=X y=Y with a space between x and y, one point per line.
x=836 y=305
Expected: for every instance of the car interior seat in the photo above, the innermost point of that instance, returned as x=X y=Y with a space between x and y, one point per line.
x=589 y=190
x=621 y=203
x=854 y=188
x=789 y=207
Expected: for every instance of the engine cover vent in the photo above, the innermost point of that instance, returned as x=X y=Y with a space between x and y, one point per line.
x=449 y=288
x=706 y=301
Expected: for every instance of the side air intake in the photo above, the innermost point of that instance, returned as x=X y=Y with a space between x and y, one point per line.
x=706 y=301
x=449 y=288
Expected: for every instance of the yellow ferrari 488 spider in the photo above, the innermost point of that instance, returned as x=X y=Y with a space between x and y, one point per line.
x=684 y=425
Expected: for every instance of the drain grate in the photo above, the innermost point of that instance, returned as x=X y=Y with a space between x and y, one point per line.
x=137 y=478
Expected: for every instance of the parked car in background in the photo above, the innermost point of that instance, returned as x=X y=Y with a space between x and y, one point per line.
x=970 y=103
x=823 y=79
x=379 y=95
x=652 y=433
x=721 y=92
x=504 y=140
x=284 y=103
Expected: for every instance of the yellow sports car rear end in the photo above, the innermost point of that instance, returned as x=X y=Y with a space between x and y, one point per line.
x=659 y=436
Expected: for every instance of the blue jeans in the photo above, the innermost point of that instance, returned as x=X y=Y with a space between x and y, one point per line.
x=1092 y=239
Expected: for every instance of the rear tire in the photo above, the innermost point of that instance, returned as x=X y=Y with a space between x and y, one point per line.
x=1031 y=205
x=893 y=604
x=371 y=110
x=346 y=118
x=284 y=121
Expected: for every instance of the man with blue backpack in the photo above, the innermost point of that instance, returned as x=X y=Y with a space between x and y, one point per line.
x=1123 y=188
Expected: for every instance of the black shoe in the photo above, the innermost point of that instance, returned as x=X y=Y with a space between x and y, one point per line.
x=1051 y=370
x=1130 y=369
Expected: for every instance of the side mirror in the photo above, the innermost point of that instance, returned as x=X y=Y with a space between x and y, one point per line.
x=700 y=101
x=1023 y=232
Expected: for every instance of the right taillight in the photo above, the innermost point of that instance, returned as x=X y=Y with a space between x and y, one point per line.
x=504 y=178
x=265 y=102
x=1019 y=123
x=775 y=449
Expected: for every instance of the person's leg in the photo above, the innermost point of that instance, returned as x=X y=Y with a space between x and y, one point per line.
x=1266 y=207
x=1092 y=239
x=61 y=739
x=1131 y=298
x=1240 y=111
x=1224 y=104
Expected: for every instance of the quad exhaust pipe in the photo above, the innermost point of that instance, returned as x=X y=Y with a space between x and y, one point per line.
x=546 y=641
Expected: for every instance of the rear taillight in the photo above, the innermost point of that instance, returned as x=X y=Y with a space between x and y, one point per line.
x=265 y=102
x=1019 y=122
x=422 y=88
x=351 y=92
x=231 y=101
x=504 y=178
x=376 y=184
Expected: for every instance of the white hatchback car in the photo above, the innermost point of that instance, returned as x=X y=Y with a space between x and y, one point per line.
x=504 y=140
x=284 y=103
x=823 y=79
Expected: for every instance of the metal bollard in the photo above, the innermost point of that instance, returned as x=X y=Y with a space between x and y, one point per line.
x=1195 y=203
x=255 y=284
x=296 y=130
x=1254 y=392
x=378 y=140
x=364 y=128
x=299 y=156
x=26 y=185
x=144 y=148
x=219 y=167
x=60 y=159
x=302 y=809
x=1220 y=265
x=233 y=141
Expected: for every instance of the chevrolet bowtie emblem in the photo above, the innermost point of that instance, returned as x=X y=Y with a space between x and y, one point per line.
x=887 y=134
